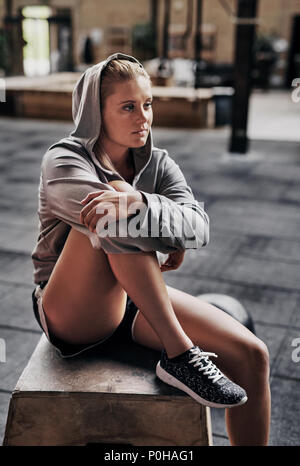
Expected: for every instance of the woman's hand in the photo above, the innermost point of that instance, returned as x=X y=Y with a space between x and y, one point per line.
x=114 y=205
x=174 y=261
x=120 y=185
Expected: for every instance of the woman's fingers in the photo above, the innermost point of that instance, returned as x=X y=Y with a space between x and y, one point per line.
x=93 y=224
x=90 y=196
x=93 y=202
x=90 y=201
x=97 y=211
x=88 y=217
x=165 y=268
x=84 y=212
x=114 y=204
x=174 y=261
x=166 y=265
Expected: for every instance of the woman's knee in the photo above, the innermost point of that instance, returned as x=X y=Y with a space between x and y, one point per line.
x=253 y=358
x=260 y=357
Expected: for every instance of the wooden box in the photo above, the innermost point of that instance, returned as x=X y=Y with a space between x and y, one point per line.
x=108 y=395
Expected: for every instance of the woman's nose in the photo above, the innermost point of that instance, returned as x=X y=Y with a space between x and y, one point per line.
x=142 y=116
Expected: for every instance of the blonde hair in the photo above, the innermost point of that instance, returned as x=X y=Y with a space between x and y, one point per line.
x=117 y=71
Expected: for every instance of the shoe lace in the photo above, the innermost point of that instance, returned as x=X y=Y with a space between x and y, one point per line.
x=209 y=368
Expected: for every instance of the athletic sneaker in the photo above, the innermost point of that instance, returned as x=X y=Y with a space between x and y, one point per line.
x=194 y=373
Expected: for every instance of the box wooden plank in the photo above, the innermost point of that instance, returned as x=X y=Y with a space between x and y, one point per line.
x=109 y=396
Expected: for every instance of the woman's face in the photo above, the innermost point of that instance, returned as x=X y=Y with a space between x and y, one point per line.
x=127 y=114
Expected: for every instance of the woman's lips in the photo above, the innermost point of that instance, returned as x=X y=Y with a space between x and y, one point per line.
x=141 y=132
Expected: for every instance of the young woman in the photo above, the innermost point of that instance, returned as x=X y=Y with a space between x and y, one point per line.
x=93 y=286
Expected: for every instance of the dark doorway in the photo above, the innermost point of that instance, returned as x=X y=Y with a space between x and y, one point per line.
x=60 y=27
x=293 y=65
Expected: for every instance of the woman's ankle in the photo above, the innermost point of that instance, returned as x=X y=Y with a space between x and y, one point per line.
x=173 y=351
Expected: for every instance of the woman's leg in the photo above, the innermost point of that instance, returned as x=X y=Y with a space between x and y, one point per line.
x=85 y=297
x=241 y=356
x=83 y=302
x=140 y=275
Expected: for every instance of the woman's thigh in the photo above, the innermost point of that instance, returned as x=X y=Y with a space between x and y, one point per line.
x=208 y=327
x=83 y=301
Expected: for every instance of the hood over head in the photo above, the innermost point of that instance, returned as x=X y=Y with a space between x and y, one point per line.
x=86 y=113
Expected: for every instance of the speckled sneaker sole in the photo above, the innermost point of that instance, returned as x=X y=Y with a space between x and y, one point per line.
x=195 y=374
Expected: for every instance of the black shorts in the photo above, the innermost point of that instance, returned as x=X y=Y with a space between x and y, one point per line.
x=122 y=334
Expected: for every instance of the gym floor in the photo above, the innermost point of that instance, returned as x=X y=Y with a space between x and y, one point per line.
x=253 y=254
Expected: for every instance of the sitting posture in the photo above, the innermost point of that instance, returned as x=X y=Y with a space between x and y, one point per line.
x=85 y=279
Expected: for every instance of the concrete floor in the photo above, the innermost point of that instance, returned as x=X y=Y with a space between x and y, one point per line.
x=253 y=254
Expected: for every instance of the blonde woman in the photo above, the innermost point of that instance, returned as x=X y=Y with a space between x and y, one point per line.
x=92 y=286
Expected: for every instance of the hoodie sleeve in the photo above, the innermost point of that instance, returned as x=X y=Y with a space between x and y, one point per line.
x=171 y=218
x=181 y=220
x=66 y=179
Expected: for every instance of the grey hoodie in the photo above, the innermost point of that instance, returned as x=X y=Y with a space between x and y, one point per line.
x=70 y=170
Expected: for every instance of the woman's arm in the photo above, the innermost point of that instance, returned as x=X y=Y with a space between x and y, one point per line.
x=182 y=219
x=117 y=206
x=68 y=178
x=120 y=185
x=175 y=258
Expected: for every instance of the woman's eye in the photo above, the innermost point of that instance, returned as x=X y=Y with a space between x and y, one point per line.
x=131 y=106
